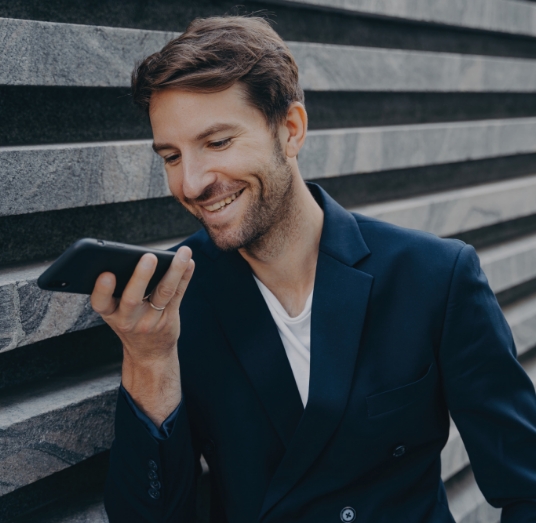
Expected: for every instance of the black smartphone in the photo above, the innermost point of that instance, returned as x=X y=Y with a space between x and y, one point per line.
x=77 y=269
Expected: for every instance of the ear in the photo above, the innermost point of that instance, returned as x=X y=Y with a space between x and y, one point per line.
x=295 y=129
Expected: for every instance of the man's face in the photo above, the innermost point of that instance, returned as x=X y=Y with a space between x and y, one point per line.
x=223 y=163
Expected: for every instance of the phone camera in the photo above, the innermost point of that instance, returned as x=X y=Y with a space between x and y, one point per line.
x=59 y=284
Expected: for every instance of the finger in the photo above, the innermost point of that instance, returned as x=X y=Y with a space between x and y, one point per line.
x=102 y=299
x=167 y=287
x=134 y=291
x=183 y=285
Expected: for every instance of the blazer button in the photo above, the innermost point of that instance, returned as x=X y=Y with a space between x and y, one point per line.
x=155 y=494
x=152 y=465
x=153 y=476
x=155 y=484
x=347 y=514
x=399 y=451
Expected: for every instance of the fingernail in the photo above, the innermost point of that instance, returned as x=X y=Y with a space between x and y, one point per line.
x=107 y=280
x=147 y=262
x=184 y=255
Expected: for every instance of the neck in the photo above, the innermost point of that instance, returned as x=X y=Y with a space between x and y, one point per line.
x=285 y=258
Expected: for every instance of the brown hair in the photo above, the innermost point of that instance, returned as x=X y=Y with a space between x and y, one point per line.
x=213 y=54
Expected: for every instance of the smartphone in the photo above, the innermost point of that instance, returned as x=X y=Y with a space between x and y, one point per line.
x=77 y=269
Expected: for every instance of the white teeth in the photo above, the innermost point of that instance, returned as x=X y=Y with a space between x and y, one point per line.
x=221 y=203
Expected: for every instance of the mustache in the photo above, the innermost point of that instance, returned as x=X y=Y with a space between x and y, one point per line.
x=214 y=190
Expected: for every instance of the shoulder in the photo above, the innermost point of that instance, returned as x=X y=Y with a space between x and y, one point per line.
x=409 y=248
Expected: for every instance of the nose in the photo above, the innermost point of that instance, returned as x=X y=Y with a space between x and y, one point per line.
x=196 y=176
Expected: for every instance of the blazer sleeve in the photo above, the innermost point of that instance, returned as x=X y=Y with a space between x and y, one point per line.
x=490 y=397
x=150 y=480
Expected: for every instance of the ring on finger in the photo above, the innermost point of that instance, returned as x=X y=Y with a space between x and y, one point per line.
x=159 y=309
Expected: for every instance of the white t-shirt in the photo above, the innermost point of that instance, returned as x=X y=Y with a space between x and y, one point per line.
x=296 y=337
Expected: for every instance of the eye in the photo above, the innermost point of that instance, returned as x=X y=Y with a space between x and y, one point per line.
x=220 y=143
x=172 y=158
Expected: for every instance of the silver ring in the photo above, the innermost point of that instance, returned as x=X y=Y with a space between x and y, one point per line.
x=159 y=309
x=148 y=298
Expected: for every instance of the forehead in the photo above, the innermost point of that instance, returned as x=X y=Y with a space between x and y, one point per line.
x=187 y=113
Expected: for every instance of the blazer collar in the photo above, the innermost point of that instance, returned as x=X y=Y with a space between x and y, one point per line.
x=341 y=238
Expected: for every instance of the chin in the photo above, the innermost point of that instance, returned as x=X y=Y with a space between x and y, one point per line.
x=227 y=240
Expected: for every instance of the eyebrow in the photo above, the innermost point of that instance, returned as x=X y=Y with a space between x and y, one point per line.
x=213 y=129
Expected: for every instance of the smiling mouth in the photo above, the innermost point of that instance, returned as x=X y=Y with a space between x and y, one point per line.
x=215 y=207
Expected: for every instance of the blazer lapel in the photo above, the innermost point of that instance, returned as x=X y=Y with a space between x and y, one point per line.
x=253 y=336
x=339 y=307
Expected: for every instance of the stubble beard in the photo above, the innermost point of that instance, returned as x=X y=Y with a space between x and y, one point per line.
x=269 y=220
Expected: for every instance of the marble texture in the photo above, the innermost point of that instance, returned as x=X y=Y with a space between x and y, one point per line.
x=509 y=263
x=52 y=177
x=337 y=152
x=44 y=53
x=46 y=429
x=452 y=212
x=43 y=178
x=506 y=16
x=328 y=67
x=30 y=314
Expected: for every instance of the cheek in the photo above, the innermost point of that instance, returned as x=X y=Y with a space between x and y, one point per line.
x=174 y=178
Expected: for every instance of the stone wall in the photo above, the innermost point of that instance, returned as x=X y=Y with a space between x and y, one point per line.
x=422 y=113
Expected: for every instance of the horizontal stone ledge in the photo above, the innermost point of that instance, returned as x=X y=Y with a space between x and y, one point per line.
x=53 y=177
x=454 y=212
x=49 y=428
x=341 y=152
x=510 y=263
x=45 y=53
x=30 y=315
x=505 y=16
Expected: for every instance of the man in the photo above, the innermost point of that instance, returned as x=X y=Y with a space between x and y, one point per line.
x=319 y=352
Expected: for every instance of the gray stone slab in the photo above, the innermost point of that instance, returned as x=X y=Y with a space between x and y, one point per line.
x=453 y=212
x=42 y=178
x=91 y=513
x=43 y=53
x=510 y=263
x=52 y=177
x=467 y=503
x=454 y=456
x=49 y=428
x=326 y=67
x=30 y=314
x=521 y=316
x=368 y=149
x=506 y=16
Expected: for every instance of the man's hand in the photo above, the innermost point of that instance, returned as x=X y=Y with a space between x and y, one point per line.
x=151 y=371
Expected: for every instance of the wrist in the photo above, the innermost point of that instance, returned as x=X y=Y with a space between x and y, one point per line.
x=154 y=384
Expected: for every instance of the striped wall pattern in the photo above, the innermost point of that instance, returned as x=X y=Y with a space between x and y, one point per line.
x=422 y=113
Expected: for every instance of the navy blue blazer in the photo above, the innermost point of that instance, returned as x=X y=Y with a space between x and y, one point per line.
x=404 y=330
